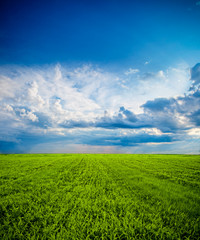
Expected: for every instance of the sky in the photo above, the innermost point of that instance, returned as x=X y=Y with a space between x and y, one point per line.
x=115 y=76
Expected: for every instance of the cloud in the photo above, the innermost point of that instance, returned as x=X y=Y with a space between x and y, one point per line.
x=128 y=114
x=8 y=88
x=195 y=117
x=195 y=77
x=121 y=119
x=131 y=140
x=132 y=71
x=159 y=104
x=89 y=106
x=175 y=114
x=150 y=75
x=198 y=3
x=28 y=115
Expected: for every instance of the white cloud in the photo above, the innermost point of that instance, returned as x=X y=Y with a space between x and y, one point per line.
x=7 y=108
x=132 y=71
x=194 y=132
x=52 y=95
x=169 y=83
x=8 y=87
x=31 y=116
x=161 y=74
x=28 y=115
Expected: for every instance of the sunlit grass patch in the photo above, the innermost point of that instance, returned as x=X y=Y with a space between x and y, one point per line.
x=99 y=196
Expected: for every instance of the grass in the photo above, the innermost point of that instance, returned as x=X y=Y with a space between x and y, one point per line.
x=99 y=196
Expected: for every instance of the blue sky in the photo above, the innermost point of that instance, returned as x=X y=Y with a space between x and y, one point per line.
x=100 y=76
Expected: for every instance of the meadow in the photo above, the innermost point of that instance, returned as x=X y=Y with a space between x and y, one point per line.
x=99 y=196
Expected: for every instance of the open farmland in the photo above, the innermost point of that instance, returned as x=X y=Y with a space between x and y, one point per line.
x=99 y=196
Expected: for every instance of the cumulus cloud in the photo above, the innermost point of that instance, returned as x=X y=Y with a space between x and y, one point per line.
x=28 y=115
x=88 y=105
x=177 y=113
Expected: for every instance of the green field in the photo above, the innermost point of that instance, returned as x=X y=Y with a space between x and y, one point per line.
x=99 y=196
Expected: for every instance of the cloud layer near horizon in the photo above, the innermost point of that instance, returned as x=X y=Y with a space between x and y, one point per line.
x=64 y=109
